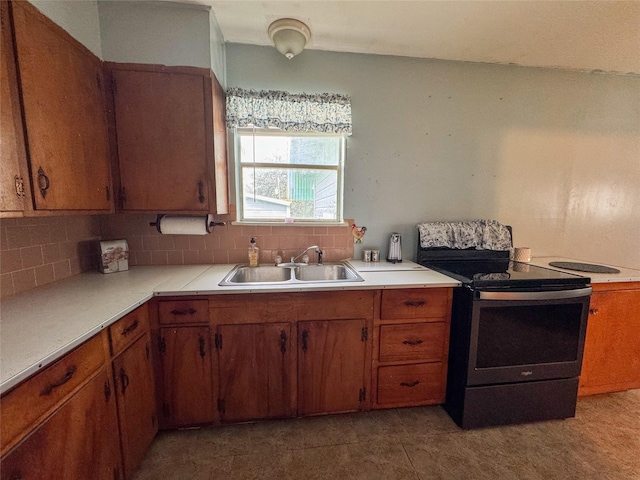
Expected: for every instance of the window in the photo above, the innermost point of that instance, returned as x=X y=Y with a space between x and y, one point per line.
x=290 y=150
x=284 y=176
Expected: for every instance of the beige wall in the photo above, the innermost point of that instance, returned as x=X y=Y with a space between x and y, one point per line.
x=555 y=154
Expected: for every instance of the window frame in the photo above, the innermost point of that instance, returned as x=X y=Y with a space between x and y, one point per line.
x=338 y=168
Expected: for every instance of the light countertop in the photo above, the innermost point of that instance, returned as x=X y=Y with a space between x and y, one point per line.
x=39 y=326
x=625 y=275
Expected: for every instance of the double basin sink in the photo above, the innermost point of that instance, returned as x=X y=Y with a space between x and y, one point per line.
x=290 y=273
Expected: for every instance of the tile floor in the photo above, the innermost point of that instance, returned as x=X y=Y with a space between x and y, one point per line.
x=602 y=443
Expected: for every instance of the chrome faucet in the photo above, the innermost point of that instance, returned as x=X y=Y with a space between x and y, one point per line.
x=317 y=249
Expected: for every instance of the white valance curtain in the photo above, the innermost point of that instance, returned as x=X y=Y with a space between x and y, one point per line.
x=291 y=112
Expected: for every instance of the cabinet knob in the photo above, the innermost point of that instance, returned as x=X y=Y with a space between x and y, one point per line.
x=593 y=311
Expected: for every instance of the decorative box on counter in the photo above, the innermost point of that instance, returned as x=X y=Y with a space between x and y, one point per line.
x=114 y=256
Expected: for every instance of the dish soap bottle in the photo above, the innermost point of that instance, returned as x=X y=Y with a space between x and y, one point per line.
x=253 y=253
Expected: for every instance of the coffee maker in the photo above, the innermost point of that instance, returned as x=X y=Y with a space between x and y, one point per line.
x=395 y=248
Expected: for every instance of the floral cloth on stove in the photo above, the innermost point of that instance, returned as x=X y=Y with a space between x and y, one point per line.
x=478 y=234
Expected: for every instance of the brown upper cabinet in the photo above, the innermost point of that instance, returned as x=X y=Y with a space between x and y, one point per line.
x=12 y=149
x=168 y=129
x=61 y=90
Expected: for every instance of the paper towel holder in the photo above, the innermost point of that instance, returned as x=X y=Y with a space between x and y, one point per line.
x=208 y=222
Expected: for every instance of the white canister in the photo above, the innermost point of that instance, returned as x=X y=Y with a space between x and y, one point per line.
x=522 y=254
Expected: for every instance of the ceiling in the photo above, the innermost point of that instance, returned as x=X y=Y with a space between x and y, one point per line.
x=583 y=35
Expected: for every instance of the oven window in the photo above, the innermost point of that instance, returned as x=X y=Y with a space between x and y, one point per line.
x=526 y=335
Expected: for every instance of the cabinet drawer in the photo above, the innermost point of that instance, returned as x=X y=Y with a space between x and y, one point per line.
x=29 y=402
x=417 y=384
x=174 y=312
x=126 y=330
x=415 y=303
x=417 y=341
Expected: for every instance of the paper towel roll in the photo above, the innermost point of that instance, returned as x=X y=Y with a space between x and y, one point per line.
x=179 y=225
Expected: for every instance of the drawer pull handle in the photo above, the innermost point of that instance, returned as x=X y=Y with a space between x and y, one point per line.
x=188 y=311
x=130 y=328
x=67 y=376
x=417 y=303
x=410 y=384
x=412 y=342
x=593 y=311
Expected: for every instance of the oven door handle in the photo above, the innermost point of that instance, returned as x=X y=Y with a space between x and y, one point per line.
x=546 y=295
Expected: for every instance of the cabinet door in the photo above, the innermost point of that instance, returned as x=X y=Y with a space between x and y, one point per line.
x=12 y=149
x=162 y=140
x=256 y=364
x=133 y=374
x=79 y=441
x=331 y=361
x=187 y=382
x=65 y=118
x=611 y=359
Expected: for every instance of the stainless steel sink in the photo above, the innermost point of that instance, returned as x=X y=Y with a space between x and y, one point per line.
x=327 y=273
x=270 y=274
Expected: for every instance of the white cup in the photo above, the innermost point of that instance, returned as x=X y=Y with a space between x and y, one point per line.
x=522 y=254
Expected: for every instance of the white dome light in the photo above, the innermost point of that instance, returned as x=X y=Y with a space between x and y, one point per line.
x=289 y=36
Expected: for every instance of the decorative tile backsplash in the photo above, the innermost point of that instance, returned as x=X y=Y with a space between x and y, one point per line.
x=38 y=251
x=226 y=244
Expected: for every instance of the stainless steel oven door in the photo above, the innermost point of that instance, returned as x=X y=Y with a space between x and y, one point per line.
x=527 y=336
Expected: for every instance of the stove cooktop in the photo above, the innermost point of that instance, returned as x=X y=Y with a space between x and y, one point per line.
x=506 y=274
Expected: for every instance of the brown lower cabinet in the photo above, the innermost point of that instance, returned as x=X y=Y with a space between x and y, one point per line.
x=79 y=441
x=218 y=359
x=287 y=354
x=133 y=373
x=411 y=342
x=129 y=348
x=185 y=376
x=611 y=361
x=331 y=366
x=256 y=371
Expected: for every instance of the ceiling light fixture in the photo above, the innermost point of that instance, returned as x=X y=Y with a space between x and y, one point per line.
x=289 y=36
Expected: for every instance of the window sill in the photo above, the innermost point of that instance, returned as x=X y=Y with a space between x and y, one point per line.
x=293 y=224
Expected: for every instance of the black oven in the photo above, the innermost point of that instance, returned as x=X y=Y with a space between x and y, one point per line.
x=515 y=356
x=517 y=337
x=527 y=336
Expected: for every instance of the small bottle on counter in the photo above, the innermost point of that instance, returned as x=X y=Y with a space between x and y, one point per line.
x=253 y=253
